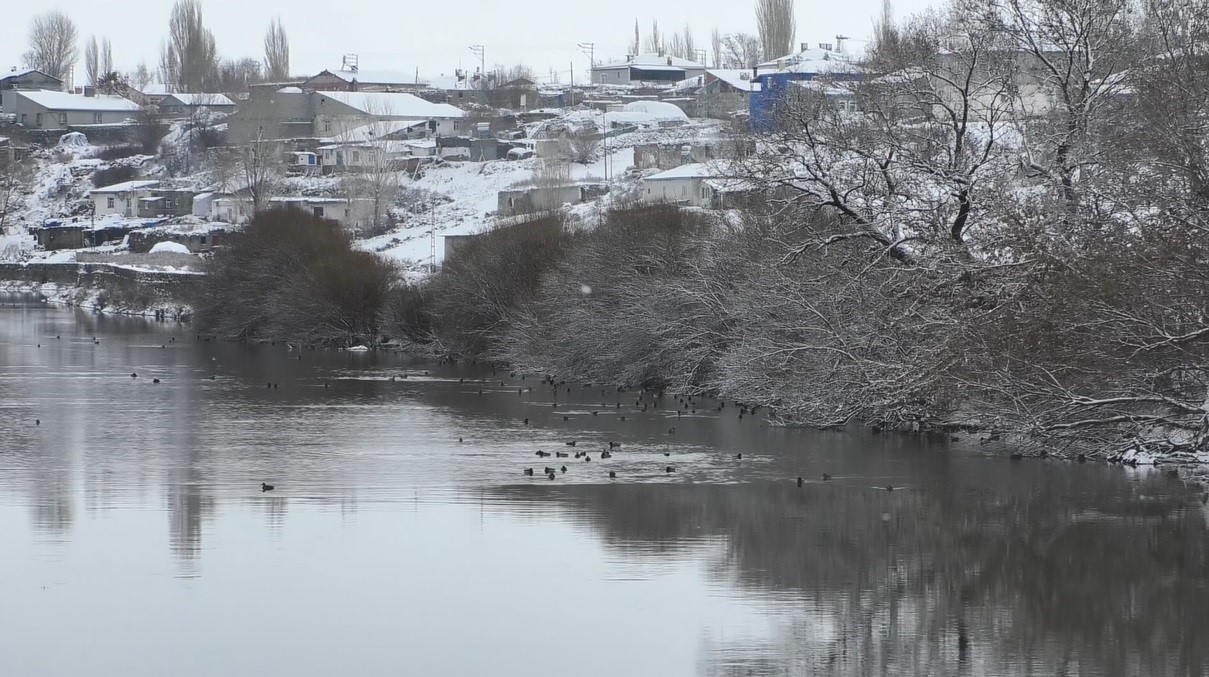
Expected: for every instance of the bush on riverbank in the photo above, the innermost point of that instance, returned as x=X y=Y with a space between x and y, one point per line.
x=290 y=275
x=486 y=285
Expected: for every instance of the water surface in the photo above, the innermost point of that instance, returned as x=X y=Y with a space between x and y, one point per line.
x=135 y=540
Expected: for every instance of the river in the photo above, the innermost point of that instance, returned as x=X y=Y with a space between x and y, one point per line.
x=402 y=536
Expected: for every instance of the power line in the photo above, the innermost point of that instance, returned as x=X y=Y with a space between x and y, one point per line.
x=589 y=50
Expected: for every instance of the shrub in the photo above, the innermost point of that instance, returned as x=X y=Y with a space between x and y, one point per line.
x=485 y=284
x=290 y=275
x=119 y=152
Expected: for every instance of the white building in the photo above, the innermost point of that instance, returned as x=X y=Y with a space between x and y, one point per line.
x=706 y=185
x=339 y=112
x=121 y=198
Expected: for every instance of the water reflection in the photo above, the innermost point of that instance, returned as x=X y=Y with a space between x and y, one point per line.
x=972 y=566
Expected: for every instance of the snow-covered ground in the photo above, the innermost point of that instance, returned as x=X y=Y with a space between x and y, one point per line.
x=455 y=198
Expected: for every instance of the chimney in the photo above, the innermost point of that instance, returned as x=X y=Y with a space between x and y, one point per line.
x=669 y=61
x=805 y=46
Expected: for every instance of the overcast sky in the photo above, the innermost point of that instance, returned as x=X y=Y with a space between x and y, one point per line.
x=431 y=36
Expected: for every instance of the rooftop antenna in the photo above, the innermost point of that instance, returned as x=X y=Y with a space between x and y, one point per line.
x=839 y=42
x=349 y=63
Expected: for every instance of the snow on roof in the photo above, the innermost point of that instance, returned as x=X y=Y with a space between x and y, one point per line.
x=659 y=109
x=126 y=186
x=169 y=248
x=695 y=170
x=202 y=99
x=738 y=78
x=651 y=60
x=394 y=104
x=812 y=61
x=65 y=101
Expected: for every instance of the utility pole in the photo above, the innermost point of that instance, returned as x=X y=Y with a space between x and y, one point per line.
x=701 y=55
x=481 y=53
x=589 y=50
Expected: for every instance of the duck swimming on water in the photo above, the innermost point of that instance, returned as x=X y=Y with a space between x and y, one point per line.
x=266 y=487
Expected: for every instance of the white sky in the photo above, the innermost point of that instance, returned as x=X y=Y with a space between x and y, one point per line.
x=431 y=36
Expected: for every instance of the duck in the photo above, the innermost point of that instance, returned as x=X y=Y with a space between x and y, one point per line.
x=669 y=469
x=134 y=374
x=605 y=454
x=566 y=418
x=155 y=380
x=526 y=421
x=459 y=440
x=800 y=482
x=571 y=443
x=671 y=431
x=889 y=487
x=667 y=453
x=266 y=487
x=542 y=454
x=739 y=456
x=528 y=472
x=561 y=454
x=564 y=468
x=614 y=445
x=587 y=459
x=612 y=474
x=549 y=470
x=826 y=477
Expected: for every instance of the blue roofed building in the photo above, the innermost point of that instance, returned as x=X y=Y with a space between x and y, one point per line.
x=774 y=81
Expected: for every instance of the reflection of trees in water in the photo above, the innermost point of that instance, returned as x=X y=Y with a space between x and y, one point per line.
x=1039 y=574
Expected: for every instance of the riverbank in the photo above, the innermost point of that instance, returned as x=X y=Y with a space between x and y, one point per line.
x=139 y=302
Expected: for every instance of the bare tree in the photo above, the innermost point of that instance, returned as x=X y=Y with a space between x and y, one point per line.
x=675 y=45
x=259 y=164
x=105 y=57
x=91 y=63
x=169 y=66
x=234 y=76
x=584 y=146
x=276 y=53
x=777 y=27
x=15 y=177
x=654 y=41
x=715 y=44
x=688 y=45
x=141 y=76
x=740 y=50
x=192 y=47
x=53 y=46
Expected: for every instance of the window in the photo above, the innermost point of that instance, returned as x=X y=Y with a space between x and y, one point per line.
x=327 y=125
x=62 y=118
x=23 y=118
x=109 y=203
x=356 y=157
x=318 y=211
x=37 y=119
x=96 y=118
x=203 y=240
x=168 y=203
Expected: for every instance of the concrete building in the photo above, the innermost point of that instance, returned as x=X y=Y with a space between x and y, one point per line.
x=701 y=185
x=773 y=80
x=539 y=199
x=647 y=69
x=58 y=110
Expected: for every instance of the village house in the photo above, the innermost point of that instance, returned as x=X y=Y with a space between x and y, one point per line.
x=336 y=112
x=59 y=110
x=186 y=105
x=121 y=198
x=539 y=199
x=27 y=79
x=701 y=185
x=351 y=215
x=773 y=79
x=647 y=69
